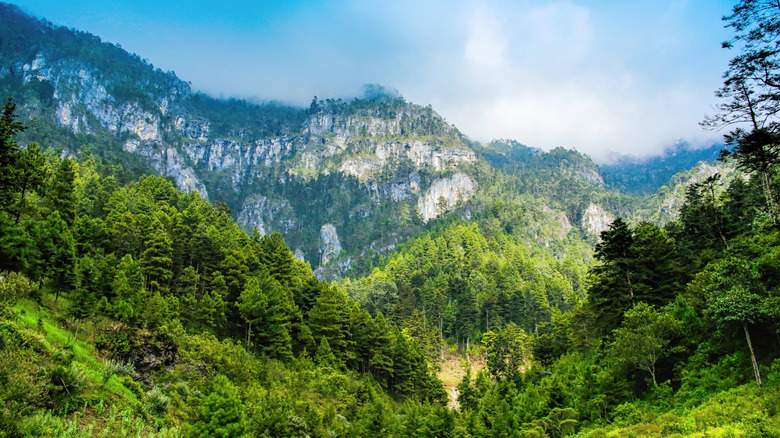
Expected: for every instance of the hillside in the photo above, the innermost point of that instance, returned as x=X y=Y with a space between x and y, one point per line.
x=164 y=256
x=345 y=182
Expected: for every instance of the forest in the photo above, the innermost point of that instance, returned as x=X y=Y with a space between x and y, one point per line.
x=131 y=308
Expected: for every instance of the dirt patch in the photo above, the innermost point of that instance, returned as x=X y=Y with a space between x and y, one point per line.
x=452 y=371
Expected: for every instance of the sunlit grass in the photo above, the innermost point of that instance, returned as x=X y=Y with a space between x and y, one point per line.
x=84 y=354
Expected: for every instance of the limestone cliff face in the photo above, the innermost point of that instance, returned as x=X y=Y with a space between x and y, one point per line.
x=167 y=160
x=85 y=105
x=331 y=247
x=458 y=187
x=595 y=220
x=80 y=93
x=670 y=198
x=266 y=215
x=423 y=154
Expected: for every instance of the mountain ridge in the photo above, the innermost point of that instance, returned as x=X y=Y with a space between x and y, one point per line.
x=350 y=179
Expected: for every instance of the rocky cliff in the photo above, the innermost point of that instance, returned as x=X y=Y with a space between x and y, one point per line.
x=345 y=182
x=595 y=220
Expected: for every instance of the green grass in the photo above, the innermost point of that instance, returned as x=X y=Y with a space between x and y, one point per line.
x=744 y=411
x=43 y=319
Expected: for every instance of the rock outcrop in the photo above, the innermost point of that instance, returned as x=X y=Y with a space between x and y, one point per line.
x=595 y=220
x=444 y=193
x=331 y=247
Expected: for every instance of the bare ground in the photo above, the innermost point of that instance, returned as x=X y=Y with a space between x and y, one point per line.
x=452 y=371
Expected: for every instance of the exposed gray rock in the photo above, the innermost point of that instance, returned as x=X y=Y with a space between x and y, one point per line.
x=331 y=247
x=251 y=215
x=457 y=187
x=595 y=220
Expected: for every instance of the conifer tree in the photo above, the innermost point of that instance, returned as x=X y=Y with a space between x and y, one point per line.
x=278 y=259
x=61 y=254
x=267 y=309
x=10 y=153
x=156 y=260
x=127 y=286
x=32 y=174
x=84 y=298
x=381 y=360
x=329 y=318
x=62 y=192
x=613 y=290
x=508 y=352
x=221 y=415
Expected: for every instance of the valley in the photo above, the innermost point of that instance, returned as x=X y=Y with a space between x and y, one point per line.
x=175 y=264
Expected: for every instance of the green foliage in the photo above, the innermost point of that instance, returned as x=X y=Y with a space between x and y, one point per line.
x=267 y=308
x=211 y=332
x=636 y=266
x=643 y=338
x=221 y=414
x=507 y=352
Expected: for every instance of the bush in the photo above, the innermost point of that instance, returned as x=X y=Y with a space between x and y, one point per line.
x=118 y=367
x=157 y=402
x=66 y=383
x=13 y=287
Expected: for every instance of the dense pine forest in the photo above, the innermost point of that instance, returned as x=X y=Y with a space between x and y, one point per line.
x=130 y=307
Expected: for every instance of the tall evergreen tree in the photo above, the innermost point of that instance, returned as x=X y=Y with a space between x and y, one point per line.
x=267 y=309
x=329 y=318
x=156 y=260
x=10 y=153
x=62 y=193
x=613 y=290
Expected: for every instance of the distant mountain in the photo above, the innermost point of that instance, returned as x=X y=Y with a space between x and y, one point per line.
x=645 y=175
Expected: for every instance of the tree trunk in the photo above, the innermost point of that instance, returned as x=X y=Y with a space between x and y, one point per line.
x=652 y=373
x=766 y=181
x=752 y=354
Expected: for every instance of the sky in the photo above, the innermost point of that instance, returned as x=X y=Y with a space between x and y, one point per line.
x=599 y=76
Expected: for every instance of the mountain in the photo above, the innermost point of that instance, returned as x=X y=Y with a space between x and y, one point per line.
x=645 y=175
x=485 y=290
x=345 y=182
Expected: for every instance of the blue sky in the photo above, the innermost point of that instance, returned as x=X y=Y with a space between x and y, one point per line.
x=598 y=76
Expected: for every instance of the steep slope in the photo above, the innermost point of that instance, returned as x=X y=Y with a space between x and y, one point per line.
x=345 y=182
x=273 y=165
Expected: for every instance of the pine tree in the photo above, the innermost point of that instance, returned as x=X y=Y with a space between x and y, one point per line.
x=212 y=309
x=658 y=273
x=156 y=260
x=278 y=259
x=61 y=254
x=85 y=298
x=381 y=359
x=32 y=174
x=267 y=309
x=613 y=290
x=221 y=415
x=127 y=286
x=329 y=318
x=16 y=247
x=62 y=193
x=10 y=153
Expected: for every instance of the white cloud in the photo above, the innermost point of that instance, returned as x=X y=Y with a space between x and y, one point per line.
x=486 y=42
